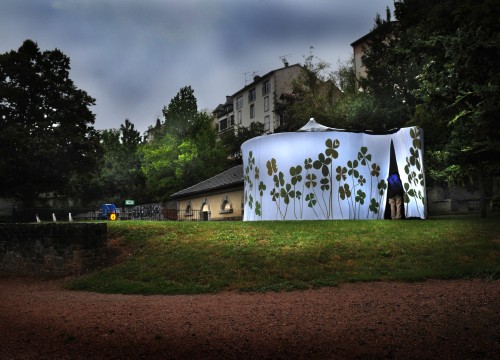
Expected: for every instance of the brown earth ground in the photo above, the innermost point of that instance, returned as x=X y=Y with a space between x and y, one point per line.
x=454 y=319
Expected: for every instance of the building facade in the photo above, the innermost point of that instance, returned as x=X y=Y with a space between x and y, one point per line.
x=224 y=116
x=258 y=101
x=217 y=198
x=359 y=46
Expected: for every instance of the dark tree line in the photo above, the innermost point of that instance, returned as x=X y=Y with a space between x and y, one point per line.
x=46 y=135
x=437 y=67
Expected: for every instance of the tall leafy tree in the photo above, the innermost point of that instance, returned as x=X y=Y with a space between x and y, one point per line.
x=356 y=110
x=120 y=176
x=180 y=148
x=314 y=95
x=129 y=136
x=181 y=113
x=46 y=132
x=443 y=76
x=333 y=100
x=459 y=78
x=231 y=141
x=391 y=72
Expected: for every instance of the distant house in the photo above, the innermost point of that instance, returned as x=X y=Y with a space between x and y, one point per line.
x=217 y=198
x=359 y=48
x=224 y=116
x=258 y=101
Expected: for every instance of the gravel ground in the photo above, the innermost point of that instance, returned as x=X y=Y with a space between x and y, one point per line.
x=458 y=319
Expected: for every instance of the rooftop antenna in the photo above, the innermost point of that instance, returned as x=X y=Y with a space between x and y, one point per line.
x=284 y=59
x=253 y=73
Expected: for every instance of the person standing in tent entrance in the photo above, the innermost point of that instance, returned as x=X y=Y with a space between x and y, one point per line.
x=395 y=195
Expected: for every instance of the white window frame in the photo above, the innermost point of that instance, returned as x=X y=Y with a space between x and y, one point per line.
x=252 y=111
x=252 y=95
x=239 y=102
x=266 y=87
x=266 y=103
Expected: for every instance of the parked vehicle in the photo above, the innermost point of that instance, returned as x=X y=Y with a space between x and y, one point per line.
x=108 y=212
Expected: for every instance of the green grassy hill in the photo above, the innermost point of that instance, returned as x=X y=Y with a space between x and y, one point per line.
x=190 y=258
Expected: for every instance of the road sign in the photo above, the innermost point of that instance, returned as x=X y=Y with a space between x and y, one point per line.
x=129 y=202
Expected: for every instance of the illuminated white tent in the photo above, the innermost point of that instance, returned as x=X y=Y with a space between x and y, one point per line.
x=321 y=173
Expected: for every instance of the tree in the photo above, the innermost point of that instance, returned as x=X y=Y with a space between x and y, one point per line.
x=232 y=141
x=314 y=95
x=345 y=77
x=181 y=113
x=120 y=176
x=391 y=72
x=459 y=78
x=130 y=137
x=179 y=150
x=442 y=76
x=356 y=110
x=46 y=131
x=158 y=160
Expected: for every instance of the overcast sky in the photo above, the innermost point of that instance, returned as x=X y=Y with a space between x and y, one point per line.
x=133 y=56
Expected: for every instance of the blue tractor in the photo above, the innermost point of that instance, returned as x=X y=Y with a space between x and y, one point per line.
x=108 y=212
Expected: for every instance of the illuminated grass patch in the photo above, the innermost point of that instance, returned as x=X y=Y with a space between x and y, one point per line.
x=190 y=258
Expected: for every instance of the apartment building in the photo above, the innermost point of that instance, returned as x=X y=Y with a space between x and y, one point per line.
x=258 y=101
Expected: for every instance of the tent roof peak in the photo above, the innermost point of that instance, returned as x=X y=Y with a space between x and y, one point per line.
x=313 y=125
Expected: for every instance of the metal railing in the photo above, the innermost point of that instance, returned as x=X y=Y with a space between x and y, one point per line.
x=151 y=212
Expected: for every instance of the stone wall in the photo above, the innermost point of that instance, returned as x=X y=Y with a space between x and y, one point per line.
x=456 y=199
x=52 y=249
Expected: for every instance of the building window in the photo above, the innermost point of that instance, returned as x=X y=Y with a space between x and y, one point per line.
x=189 y=209
x=226 y=207
x=230 y=121
x=239 y=102
x=278 y=121
x=223 y=124
x=251 y=95
x=266 y=103
x=205 y=211
x=267 y=123
x=252 y=111
x=239 y=117
x=266 y=87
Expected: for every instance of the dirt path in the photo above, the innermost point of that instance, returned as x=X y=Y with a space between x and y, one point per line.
x=429 y=320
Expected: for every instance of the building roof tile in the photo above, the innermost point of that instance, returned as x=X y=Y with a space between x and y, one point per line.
x=226 y=179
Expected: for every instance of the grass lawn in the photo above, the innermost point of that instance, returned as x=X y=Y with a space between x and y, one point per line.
x=204 y=257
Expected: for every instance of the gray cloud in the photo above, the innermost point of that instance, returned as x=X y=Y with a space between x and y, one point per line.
x=134 y=56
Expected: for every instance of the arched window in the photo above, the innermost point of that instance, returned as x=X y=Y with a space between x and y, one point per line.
x=226 y=206
x=189 y=209
x=205 y=211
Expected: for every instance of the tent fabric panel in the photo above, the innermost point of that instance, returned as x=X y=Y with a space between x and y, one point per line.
x=329 y=175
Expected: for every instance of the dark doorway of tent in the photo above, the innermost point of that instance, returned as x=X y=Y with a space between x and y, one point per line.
x=393 y=169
